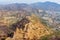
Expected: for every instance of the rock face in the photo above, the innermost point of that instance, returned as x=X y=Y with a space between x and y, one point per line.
x=4 y=32
x=20 y=24
x=33 y=30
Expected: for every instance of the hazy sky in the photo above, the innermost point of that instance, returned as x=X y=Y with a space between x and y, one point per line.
x=26 y=1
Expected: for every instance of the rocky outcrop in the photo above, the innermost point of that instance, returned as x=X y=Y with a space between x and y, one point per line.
x=5 y=32
x=33 y=30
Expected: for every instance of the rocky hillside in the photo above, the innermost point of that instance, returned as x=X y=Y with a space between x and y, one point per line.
x=33 y=30
x=37 y=21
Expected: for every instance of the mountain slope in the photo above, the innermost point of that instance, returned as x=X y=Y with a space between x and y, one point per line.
x=32 y=30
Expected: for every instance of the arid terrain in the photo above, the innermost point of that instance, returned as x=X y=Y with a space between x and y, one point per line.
x=35 y=21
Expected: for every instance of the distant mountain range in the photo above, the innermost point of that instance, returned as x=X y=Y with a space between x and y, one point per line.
x=47 y=6
x=39 y=5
